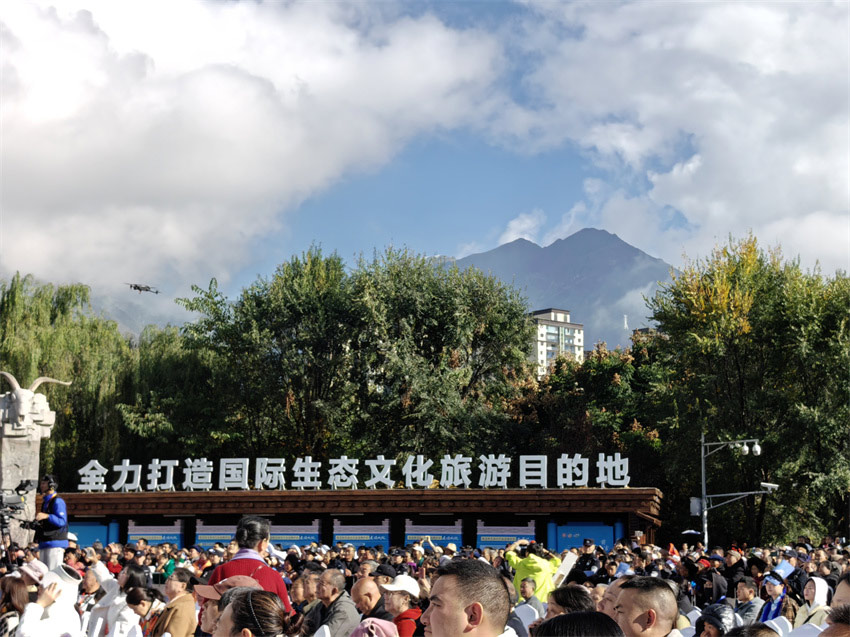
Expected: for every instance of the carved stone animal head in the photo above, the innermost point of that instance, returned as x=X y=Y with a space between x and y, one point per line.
x=24 y=407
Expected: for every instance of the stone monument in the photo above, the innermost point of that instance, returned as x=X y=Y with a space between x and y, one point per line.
x=26 y=419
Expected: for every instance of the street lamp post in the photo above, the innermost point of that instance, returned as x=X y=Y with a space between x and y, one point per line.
x=708 y=448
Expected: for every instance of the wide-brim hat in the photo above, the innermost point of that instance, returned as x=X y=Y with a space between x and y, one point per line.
x=757 y=561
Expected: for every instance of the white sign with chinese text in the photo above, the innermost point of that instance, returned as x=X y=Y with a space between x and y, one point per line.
x=417 y=472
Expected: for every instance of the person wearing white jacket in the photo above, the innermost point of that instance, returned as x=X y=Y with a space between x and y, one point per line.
x=53 y=613
x=815 y=610
x=97 y=617
x=112 y=613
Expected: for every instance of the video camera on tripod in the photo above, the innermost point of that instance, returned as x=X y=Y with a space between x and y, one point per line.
x=13 y=501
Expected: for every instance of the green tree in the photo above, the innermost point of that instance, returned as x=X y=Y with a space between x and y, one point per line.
x=756 y=347
x=175 y=408
x=280 y=357
x=435 y=361
x=590 y=408
x=48 y=330
x=400 y=355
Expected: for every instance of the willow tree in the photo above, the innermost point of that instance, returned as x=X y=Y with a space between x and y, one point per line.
x=48 y=330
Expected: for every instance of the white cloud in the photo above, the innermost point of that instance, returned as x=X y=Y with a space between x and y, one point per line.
x=526 y=225
x=160 y=140
x=471 y=247
x=733 y=114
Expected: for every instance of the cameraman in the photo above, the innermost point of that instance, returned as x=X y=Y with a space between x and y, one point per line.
x=51 y=528
x=536 y=562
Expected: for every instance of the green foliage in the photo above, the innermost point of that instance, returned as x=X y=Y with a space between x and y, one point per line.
x=281 y=357
x=435 y=359
x=591 y=408
x=174 y=407
x=401 y=355
x=51 y=331
x=757 y=348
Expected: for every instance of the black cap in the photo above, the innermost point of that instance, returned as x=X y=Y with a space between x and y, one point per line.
x=588 y=542
x=385 y=569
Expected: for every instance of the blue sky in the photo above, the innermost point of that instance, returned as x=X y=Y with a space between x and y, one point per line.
x=172 y=142
x=447 y=196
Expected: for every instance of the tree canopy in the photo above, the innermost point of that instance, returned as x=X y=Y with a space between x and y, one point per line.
x=403 y=355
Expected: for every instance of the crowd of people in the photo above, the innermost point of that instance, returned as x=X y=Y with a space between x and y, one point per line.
x=250 y=587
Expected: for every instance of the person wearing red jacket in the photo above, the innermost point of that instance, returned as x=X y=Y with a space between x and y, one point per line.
x=253 y=534
x=401 y=598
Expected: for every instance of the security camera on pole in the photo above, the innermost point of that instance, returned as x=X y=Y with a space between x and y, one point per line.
x=708 y=448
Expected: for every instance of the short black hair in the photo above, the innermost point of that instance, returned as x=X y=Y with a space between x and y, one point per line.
x=51 y=481
x=750 y=583
x=480 y=582
x=573 y=598
x=186 y=576
x=656 y=594
x=580 y=624
x=752 y=630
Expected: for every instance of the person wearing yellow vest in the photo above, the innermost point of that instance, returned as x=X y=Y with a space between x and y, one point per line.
x=537 y=563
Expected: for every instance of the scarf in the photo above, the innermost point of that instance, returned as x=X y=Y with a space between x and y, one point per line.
x=772 y=609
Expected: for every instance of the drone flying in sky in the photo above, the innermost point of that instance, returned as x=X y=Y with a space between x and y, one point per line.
x=140 y=287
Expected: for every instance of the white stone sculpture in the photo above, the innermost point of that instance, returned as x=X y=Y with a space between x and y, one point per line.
x=25 y=419
x=25 y=414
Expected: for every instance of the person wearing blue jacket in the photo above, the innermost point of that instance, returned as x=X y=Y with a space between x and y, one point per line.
x=51 y=530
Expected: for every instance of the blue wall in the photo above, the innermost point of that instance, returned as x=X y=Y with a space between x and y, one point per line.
x=567 y=536
x=90 y=532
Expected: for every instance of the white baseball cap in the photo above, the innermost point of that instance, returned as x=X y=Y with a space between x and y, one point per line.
x=404 y=583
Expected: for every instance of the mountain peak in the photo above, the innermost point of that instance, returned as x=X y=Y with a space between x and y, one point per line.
x=594 y=272
x=522 y=241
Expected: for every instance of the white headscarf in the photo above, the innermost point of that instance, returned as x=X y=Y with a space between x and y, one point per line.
x=821 y=589
x=110 y=587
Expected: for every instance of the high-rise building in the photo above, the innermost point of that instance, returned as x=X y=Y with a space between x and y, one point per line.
x=556 y=335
